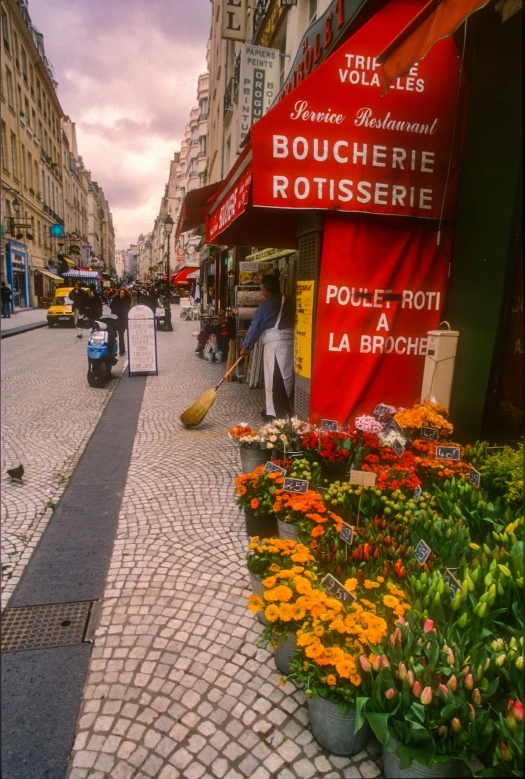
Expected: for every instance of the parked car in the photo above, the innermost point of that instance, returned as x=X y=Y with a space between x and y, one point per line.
x=61 y=310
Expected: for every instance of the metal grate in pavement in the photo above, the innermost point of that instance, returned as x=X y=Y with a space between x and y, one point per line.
x=43 y=627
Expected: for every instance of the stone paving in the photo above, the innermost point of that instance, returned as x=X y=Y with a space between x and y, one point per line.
x=177 y=685
x=24 y=316
x=48 y=414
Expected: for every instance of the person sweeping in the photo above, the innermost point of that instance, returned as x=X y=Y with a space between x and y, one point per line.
x=273 y=322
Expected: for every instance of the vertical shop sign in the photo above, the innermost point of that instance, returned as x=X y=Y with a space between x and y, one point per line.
x=381 y=289
x=303 y=328
x=142 y=341
x=233 y=20
x=258 y=84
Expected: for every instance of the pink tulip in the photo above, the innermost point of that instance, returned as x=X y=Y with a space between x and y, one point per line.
x=416 y=689
x=426 y=696
x=505 y=753
x=472 y=712
x=402 y=671
x=410 y=678
x=469 y=682
x=401 y=621
x=452 y=683
x=517 y=711
x=444 y=689
x=466 y=669
x=389 y=694
x=441 y=730
x=456 y=725
x=427 y=627
x=376 y=665
x=476 y=696
x=366 y=665
x=384 y=662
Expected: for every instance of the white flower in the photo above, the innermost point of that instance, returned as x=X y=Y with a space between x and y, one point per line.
x=269 y=445
x=283 y=439
x=273 y=438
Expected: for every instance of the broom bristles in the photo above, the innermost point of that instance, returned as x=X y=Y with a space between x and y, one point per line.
x=196 y=413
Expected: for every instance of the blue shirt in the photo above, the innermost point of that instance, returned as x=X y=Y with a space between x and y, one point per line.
x=266 y=317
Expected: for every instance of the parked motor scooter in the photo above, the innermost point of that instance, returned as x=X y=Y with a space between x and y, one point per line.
x=102 y=348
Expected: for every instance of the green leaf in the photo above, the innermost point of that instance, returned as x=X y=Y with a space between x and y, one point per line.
x=405 y=756
x=360 y=713
x=379 y=724
x=419 y=711
x=424 y=756
x=418 y=732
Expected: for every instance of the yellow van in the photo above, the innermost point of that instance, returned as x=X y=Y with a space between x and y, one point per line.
x=61 y=309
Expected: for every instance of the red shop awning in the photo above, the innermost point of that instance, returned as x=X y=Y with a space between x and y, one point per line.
x=193 y=211
x=182 y=276
x=438 y=19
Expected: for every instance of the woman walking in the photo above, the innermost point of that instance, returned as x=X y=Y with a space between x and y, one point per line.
x=120 y=306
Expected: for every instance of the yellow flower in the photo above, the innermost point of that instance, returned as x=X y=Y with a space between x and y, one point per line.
x=300 y=558
x=255 y=603
x=284 y=593
x=319 y=631
x=355 y=679
x=370 y=585
x=285 y=575
x=274 y=568
x=368 y=604
x=345 y=667
x=285 y=612
x=390 y=601
x=310 y=575
x=269 y=582
x=338 y=625
x=331 y=680
x=252 y=546
x=271 y=613
x=351 y=584
x=305 y=639
x=297 y=612
x=393 y=590
x=302 y=585
x=255 y=539
x=282 y=682
x=380 y=579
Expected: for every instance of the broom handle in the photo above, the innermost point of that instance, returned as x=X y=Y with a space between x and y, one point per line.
x=227 y=374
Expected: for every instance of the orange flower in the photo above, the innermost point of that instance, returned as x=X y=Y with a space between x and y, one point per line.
x=241 y=490
x=255 y=503
x=317 y=531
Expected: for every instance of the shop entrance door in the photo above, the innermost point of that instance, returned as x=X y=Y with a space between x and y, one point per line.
x=19 y=295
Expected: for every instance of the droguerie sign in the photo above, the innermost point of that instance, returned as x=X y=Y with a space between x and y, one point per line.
x=333 y=142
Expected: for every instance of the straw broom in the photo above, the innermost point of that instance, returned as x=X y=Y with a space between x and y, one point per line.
x=195 y=414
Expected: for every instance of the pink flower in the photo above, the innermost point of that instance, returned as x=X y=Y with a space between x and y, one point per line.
x=427 y=627
x=384 y=662
x=476 y=696
x=366 y=665
x=456 y=725
x=376 y=665
x=426 y=696
x=469 y=682
x=517 y=711
x=410 y=678
x=452 y=683
x=416 y=689
x=505 y=752
x=444 y=689
x=472 y=712
x=441 y=730
x=389 y=694
x=402 y=671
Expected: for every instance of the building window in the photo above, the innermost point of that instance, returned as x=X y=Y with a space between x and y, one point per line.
x=33 y=120
x=202 y=146
x=24 y=65
x=204 y=108
x=29 y=170
x=9 y=87
x=26 y=111
x=15 y=47
x=5 y=31
x=39 y=234
x=4 y=145
x=32 y=79
x=14 y=167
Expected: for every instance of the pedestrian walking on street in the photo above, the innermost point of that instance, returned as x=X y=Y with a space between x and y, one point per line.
x=80 y=300
x=95 y=305
x=273 y=321
x=6 y=301
x=120 y=306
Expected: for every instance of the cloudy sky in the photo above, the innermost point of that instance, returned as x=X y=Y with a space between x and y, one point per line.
x=127 y=75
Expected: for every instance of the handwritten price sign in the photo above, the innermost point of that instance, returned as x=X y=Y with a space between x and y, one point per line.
x=329 y=425
x=448 y=453
x=347 y=533
x=452 y=582
x=422 y=551
x=337 y=590
x=474 y=477
x=273 y=468
x=429 y=432
x=299 y=486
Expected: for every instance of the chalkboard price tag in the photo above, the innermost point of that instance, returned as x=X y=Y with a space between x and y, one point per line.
x=299 y=486
x=429 y=432
x=364 y=478
x=383 y=411
x=337 y=590
x=448 y=453
x=422 y=552
x=493 y=450
x=273 y=468
x=347 y=533
x=329 y=425
x=295 y=455
x=474 y=477
x=398 y=447
x=452 y=582
x=417 y=493
x=393 y=426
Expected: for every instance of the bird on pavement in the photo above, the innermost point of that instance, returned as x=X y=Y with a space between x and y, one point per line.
x=16 y=473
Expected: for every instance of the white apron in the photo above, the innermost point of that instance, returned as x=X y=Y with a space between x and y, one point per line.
x=277 y=344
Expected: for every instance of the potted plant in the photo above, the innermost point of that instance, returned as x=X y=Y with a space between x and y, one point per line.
x=285 y=436
x=422 y=703
x=290 y=509
x=334 y=451
x=255 y=493
x=269 y=556
x=252 y=447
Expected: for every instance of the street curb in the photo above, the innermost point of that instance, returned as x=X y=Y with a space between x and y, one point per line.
x=23 y=329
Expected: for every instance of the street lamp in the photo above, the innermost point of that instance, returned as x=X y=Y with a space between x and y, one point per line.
x=168 y=227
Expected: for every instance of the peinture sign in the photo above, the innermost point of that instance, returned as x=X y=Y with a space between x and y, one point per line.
x=258 y=85
x=142 y=341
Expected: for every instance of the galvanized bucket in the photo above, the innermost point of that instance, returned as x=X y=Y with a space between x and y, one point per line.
x=287 y=530
x=335 y=731
x=264 y=525
x=392 y=771
x=251 y=458
x=284 y=652
x=258 y=589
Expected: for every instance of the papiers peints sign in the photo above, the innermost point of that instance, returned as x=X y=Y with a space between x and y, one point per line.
x=258 y=85
x=334 y=143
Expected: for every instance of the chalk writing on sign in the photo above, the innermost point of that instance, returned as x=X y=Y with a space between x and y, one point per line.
x=347 y=533
x=142 y=345
x=337 y=590
x=493 y=450
x=299 y=486
x=474 y=477
x=273 y=468
x=422 y=551
x=417 y=493
x=329 y=425
x=429 y=432
x=448 y=453
x=452 y=582
x=398 y=447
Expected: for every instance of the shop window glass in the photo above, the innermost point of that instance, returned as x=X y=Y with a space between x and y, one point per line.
x=5 y=31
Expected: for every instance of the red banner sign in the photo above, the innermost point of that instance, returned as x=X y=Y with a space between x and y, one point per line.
x=382 y=288
x=334 y=143
x=230 y=207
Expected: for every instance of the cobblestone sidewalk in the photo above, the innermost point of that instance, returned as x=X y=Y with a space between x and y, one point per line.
x=48 y=415
x=177 y=686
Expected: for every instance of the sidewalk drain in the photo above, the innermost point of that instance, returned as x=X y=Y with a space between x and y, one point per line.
x=44 y=627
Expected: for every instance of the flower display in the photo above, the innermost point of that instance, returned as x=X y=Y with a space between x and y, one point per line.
x=256 y=490
x=271 y=555
x=425 y=414
x=234 y=433
x=284 y=434
x=368 y=424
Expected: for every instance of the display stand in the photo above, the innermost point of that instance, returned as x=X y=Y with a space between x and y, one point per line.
x=142 y=341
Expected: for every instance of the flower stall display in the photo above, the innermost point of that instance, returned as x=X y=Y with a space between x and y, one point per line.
x=255 y=494
x=429 y=655
x=252 y=447
x=284 y=435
